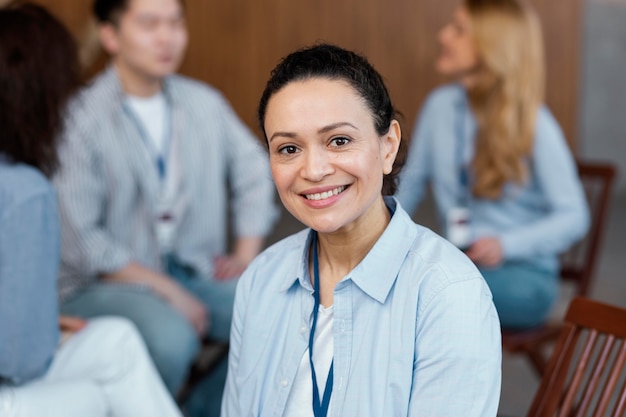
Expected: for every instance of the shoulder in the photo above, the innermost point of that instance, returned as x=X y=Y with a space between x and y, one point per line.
x=429 y=260
x=277 y=266
x=21 y=183
x=191 y=91
x=548 y=134
x=445 y=96
x=95 y=104
x=546 y=124
x=448 y=281
x=438 y=268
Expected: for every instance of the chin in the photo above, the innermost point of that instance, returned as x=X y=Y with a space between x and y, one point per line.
x=443 y=68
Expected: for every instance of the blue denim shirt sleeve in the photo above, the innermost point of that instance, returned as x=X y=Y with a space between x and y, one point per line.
x=566 y=217
x=29 y=261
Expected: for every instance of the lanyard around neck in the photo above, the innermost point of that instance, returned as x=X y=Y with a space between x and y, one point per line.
x=320 y=408
x=160 y=157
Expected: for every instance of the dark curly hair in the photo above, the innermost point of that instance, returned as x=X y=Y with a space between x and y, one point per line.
x=335 y=63
x=39 y=71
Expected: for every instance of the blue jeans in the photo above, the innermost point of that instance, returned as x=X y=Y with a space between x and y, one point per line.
x=171 y=340
x=522 y=293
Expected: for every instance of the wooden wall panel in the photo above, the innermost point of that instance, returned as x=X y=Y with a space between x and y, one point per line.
x=234 y=44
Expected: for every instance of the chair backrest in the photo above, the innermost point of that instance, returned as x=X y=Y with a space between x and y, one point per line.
x=586 y=372
x=579 y=262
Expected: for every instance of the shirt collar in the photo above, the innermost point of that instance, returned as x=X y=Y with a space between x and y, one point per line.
x=377 y=272
x=297 y=261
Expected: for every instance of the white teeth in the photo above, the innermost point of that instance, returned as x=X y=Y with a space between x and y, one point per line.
x=325 y=194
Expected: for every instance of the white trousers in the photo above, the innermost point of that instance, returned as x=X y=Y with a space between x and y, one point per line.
x=103 y=370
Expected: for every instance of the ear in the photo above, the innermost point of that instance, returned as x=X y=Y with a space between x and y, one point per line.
x=109 y=38
x=390 y=145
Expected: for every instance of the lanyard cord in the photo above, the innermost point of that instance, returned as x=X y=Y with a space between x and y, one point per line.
x=160 y=157
x=320 y=409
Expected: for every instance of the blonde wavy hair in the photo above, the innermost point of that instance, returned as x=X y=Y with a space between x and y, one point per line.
x=507 y=91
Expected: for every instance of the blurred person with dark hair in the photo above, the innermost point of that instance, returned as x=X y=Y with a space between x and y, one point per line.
x=155 y=167
x=89 y=368
x=503 y=178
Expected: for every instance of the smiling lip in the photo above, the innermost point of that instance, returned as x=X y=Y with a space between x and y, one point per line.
x=325 y=194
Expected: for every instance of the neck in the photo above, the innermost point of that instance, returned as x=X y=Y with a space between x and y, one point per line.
x=135 y=84
x=341 y=251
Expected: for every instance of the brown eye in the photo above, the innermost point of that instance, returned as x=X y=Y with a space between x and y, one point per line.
x=289 y=149
x=339 y=141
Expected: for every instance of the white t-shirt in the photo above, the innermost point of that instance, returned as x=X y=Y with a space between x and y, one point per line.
x=300 y=401
x=152 y=113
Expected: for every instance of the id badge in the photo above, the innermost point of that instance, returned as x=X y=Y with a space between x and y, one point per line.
x=165 y=231
x=458 y=227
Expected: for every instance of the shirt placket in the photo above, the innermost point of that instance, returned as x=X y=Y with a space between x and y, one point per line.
x=342 y=334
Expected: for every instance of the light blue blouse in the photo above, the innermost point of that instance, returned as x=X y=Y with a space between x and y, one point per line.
x=415 y=330
x=29 y=262
x=534 y=221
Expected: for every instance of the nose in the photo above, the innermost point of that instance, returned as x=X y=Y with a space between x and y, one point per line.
x=444 y=34
x=317 y=164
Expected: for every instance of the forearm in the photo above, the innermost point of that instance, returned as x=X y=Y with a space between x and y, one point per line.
x=551 y=235
x=135 y=273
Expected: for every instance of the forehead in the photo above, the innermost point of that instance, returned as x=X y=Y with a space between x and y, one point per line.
x=154 y=7
x=315 y=102
x=315 y=91
x=462 y=16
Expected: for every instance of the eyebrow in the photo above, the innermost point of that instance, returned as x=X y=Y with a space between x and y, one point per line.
x=324 y=129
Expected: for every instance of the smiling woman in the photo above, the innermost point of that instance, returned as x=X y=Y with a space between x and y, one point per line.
x=351 y=313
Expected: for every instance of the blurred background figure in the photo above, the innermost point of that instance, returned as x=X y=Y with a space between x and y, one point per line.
x=96 y=368
x=152 y=165
x=503 y=178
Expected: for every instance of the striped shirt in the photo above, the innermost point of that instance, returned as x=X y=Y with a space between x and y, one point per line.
x=108 y=185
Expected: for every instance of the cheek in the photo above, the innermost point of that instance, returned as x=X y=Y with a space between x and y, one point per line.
x=182 y=40
x=282 y=176
x=468 y=52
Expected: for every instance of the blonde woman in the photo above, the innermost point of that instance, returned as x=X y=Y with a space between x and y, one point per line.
x=501 y=173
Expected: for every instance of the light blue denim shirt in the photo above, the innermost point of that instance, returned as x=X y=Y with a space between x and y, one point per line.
x=536 y=220
x=29 y=263
x=415 y=331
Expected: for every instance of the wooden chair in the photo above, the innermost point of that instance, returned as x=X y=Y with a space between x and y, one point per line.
x=586 y=373
x=577 y=264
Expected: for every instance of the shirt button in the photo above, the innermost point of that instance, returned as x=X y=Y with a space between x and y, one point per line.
x=303 y=329
x=284 y=383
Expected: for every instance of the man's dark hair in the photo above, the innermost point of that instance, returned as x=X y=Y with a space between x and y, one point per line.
x=39 y=71
x=109 y=11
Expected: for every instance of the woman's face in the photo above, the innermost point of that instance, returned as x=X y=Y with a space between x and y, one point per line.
x=326 y=157
x=458 y=56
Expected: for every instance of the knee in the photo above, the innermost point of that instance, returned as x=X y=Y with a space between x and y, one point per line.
x=115 y=331
x=175 y=342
